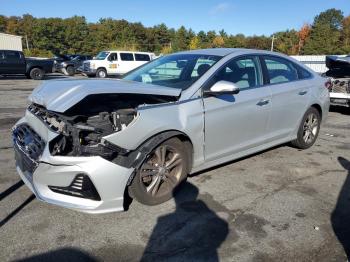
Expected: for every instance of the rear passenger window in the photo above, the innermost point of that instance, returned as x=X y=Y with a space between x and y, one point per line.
x=12 y=55
x=280 y=70
x=142 y=57
x=126 y=56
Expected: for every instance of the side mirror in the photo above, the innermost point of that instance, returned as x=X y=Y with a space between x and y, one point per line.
x=222 y=88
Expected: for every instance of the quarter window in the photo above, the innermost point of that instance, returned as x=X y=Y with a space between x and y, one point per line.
x=142 y=57
x=126 y=56
x=303 y=73
x=280 y=70
x=243 y=72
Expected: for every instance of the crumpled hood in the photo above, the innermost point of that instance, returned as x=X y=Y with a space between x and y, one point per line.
x=60 y=95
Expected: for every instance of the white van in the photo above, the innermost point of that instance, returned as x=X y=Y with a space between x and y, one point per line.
x=108 y=63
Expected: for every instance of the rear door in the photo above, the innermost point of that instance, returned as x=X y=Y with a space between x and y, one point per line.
x=2 y=62
x=289 y=94
x=126 y=62
x=15 y=62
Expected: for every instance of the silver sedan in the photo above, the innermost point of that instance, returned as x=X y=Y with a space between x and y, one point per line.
x=89 y=144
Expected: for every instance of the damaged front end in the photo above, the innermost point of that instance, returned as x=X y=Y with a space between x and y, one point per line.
x=81 y=128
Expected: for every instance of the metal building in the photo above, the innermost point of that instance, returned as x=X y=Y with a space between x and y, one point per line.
x=10 y=42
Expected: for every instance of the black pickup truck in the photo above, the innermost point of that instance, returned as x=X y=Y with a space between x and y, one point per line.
x=14 y=63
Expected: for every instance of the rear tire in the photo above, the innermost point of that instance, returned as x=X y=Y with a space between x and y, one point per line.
x=37 y=73
x=101 y=73
x=161 y=173
x=308 y=130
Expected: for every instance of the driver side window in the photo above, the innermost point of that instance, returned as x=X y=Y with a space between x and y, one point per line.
x=244 y=72
x=113 y=57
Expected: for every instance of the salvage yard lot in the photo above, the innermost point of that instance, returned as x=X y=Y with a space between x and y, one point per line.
x=279 y=205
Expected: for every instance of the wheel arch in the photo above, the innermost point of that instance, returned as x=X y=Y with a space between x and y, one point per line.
x=34 y=66
x=318 y=108
x=101 y=67
x=147 y=146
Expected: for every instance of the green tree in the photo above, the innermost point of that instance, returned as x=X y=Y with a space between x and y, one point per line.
x=325 y=33
x=194 y=43
x=346 y=34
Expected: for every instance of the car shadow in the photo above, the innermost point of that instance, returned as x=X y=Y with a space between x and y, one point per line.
x=61 y=255
x=193 y=232
x=340 y=217
x=340 y=109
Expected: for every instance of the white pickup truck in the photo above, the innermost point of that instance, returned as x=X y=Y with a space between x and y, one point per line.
x=108 y=63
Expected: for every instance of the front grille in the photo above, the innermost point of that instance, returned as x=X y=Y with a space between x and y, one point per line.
x=28 y=141
x=81 y=186
x=28 y=146
x=86 y=66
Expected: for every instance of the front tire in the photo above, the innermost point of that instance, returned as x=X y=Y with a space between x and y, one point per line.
x=160 y=173
x=37 y=74
x=70 y=70
x=101 y=73
x=308 y=130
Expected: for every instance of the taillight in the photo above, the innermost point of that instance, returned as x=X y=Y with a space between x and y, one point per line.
x=328 y=84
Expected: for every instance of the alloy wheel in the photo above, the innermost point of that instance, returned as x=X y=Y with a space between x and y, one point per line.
x=161 y=172
x=310 y=128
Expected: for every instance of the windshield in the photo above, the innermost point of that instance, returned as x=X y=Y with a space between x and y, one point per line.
x=101 y=55
x=177 y=71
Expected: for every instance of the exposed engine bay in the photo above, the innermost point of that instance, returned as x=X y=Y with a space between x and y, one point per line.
x=82 y=127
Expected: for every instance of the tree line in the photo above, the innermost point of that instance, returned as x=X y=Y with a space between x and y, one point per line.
x=328 y=34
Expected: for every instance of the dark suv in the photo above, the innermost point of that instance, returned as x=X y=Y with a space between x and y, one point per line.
x=15 y=63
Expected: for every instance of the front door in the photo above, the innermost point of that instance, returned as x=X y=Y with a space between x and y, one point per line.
x=112 y=63
x=234 y=123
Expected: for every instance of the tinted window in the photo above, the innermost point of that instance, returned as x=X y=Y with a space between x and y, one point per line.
x=113 y=57
x=126 y=56
x=142 y=57
x=280 y=70
x=12 y=55
x=243 y=72
x=2 y=55
x=303 y=73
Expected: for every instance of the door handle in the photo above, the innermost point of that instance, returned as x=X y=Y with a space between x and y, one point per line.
x=301 y=93
x=263 y=102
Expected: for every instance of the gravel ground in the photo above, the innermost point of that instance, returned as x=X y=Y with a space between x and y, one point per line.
x=279 y=205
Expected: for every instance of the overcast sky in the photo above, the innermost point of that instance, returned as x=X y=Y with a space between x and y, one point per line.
x=234 y=16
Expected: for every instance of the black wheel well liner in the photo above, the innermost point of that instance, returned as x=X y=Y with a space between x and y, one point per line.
x=34 y=66
x=318 y=108
x=101 y=67
x=135 y=158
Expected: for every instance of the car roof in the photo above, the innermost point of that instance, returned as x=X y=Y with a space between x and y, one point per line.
x=125 y=51
x=228 y=51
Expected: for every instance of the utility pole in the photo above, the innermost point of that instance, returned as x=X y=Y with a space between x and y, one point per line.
x=27 y=42
x=273 y=42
